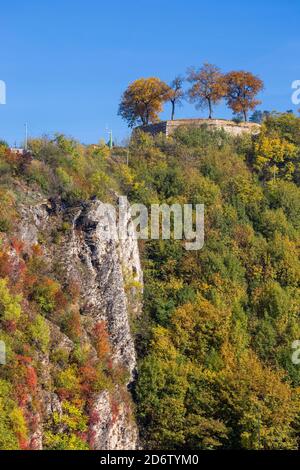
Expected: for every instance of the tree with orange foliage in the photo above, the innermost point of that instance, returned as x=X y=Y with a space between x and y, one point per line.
x=142 y=101
x=242 y=88
x=208 y=86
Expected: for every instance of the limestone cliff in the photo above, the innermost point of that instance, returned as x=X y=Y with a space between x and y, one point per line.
x=109 y=278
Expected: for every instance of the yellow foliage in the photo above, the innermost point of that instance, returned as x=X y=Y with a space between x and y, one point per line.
x=19 y=423
x=10 y=309
x=272 y=152
x=143 y=99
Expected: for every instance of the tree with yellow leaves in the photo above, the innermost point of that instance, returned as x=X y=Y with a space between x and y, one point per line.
x=143 y=100
x=257 y=403
x=274 y=155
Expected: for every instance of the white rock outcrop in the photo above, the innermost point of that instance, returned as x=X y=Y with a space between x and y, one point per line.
x=110 y=277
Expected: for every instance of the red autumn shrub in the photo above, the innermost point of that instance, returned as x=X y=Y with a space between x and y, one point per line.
x=17 y=245
x=31 y=379
x=102 y=340
x=94 y=417
x=5 y=264
x=88 y=376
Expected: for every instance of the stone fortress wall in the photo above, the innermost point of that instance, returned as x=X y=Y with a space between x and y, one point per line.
x=169 y=127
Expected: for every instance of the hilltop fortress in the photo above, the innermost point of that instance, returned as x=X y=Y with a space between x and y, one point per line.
x=169 y=127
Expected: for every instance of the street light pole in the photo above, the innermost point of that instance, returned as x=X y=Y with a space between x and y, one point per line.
x=110 y=142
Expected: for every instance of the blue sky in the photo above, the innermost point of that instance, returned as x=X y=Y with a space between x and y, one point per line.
x=66 y=63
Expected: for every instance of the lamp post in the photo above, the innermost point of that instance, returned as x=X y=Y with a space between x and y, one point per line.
x=110 y=141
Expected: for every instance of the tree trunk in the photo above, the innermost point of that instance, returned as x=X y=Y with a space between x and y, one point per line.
x=173 y=110
x=245 y=115
x=210 y=109
x=147 y=117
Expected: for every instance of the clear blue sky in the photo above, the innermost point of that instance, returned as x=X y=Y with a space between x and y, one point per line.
x=66 y=62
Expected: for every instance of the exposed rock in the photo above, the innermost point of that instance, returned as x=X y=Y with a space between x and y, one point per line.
x=113 y=428
x=58 y=339
x=109 y=275
x=36 y=440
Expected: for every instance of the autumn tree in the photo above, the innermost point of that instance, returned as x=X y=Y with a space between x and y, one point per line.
x=143 y=100
x=208 y=86
x=275 y=156
x=176 y=94
x=242 y=88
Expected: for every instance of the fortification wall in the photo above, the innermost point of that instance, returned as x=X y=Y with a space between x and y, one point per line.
x=233 y=128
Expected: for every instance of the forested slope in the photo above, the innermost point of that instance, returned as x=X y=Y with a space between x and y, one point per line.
x=216 y=365
x=214 y=340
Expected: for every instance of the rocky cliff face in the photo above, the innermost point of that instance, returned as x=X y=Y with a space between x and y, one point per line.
x=109 y=277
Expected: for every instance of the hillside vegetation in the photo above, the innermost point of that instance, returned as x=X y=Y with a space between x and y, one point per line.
x=216 y=368
x=215 y=338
